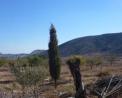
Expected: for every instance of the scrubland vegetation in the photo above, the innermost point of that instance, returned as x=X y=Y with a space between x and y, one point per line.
x=53 y=76
x=26 y=79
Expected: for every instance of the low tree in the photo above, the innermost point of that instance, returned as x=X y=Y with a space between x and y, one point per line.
x=34 y=60
x=93 y=61
x=90 y=62
x=82 y=60
x=111 y=58
x=98 y=61
x=29 y=76
x=54 y=59
x=74 y=66
x=3 y=62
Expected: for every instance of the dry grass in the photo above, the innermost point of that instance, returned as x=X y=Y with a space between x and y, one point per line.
x=89 y=77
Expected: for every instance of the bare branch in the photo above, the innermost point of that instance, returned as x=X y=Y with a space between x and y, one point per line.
x=109 y=84
x=116 y=86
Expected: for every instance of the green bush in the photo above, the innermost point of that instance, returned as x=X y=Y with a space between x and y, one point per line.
x=29 y=77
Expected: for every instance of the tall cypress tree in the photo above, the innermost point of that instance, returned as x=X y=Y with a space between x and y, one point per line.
x=53 y=53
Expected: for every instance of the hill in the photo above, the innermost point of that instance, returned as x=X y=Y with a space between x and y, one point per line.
x=36 y=52
x=12 y=56
x=89 y=45
x=99 y=44
x=15 y=56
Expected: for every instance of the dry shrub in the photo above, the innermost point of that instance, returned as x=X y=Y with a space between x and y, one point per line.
x=103 y=74
x=30 y=78
x=51 y=95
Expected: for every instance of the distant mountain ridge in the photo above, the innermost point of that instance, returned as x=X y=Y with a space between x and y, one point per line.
x=98 y=44
x=103 y=44
x=36 y=52
x=14 y=56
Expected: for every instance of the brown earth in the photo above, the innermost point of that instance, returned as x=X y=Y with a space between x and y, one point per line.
x=89 y=76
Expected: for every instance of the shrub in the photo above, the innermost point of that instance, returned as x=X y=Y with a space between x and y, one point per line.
x=103 y=74
x=29 y=77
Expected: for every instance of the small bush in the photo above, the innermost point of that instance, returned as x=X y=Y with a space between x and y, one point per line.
x=29 y=78
x=103 y=74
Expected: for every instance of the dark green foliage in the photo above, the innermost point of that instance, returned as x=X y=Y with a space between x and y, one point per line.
x=3 y=62
x=33 y=60
x=54 y=59
x=36 y=60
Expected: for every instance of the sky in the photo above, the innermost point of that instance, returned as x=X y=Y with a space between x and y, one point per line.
x=25 y=24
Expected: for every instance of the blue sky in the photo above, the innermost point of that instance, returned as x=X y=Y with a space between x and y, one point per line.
x=24 y=24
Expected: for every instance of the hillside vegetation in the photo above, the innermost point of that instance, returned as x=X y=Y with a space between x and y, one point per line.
x=100 y=44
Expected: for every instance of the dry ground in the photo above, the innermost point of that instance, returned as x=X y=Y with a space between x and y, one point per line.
x=89 y=76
